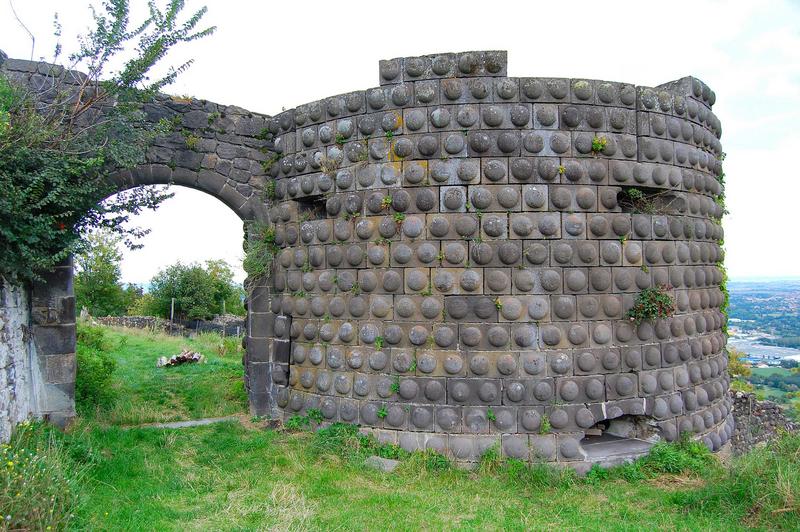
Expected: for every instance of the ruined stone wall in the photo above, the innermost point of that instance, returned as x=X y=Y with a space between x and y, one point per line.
x=757 y=422
x=458 y=253
x=17 y=397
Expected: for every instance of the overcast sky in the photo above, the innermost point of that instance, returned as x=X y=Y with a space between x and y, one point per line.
x=267 y=56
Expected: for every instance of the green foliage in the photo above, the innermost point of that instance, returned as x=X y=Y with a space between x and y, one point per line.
x=537 y=475
x=490 y=415
x=382 y=412
x=199 y=291
x=736 y=365
x=95 y=369
x=760 y=486
x=314 y=415
x=191 y=140
x=379 y=342
x=296 y=422
x=652 y=303
x=344 y=440
x=55 y=155
x=97 y=278
x=269 y=190
x=39 y=485
x=684 y=456
x=544 y=425
x=260 y=250
x=491 y=461
x=599 y=144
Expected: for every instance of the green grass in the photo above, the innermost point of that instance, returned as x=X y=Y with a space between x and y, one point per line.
x=769 y=392
x=147 y=394
x=229 y=476
x=764 y=372
x=224 y=477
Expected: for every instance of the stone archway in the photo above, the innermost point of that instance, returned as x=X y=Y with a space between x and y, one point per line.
x=213 y=148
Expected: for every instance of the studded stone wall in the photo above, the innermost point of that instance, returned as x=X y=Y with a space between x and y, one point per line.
x=457 y=262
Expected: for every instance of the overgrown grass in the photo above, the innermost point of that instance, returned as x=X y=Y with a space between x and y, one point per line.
x=39 y=483
x=761 y=488
x=682 y=457
x=147 y=394
x=227 y=476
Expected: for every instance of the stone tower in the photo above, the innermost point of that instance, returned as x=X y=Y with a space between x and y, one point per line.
x=459 y=250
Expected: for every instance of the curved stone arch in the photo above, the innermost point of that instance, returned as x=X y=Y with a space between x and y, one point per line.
x=216 y=149
x=246 y=208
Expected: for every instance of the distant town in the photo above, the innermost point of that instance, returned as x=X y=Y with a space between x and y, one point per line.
x=764 y=320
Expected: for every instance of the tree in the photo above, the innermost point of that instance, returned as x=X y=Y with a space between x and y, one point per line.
x=227 y=293
x=737 y=366
x=199 y=291
x=97 y=278
x=60 y=139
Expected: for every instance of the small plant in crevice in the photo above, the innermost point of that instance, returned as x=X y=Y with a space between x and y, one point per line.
x=428 y=291
x=561 y=169
x=399 y=218
x=490 y=415
x=356 y=289
x=329 y=166
x=340 y=139
x=396 y=385
x=389 y=135
x=544 y=425
x=269 y=190
x=271 y=160
x=191 y=140
x=498 y=304
x=379 y=342
x=260 y=250
x=382 y=412
x=599 y=144
x=652 y=303
x=265 y=134
x=386 y=202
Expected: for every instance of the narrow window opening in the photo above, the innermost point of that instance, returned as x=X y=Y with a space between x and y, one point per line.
x=644 y=200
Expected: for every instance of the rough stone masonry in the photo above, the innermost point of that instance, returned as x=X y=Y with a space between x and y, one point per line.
x=459 y=249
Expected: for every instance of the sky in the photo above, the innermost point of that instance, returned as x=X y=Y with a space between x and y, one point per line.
x=270 y=56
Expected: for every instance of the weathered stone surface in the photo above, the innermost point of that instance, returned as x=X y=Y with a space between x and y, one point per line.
x=456 y=254
x=386 y=465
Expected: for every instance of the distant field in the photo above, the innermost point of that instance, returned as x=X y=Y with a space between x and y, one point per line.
x=763 y=372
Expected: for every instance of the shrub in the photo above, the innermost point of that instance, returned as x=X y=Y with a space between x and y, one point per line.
x=95 y=369
x=38 y=481
x=55 y=154
x=652 y=303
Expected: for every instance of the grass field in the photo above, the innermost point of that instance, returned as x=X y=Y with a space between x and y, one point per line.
x=774 y=394
x=148 y=394
x=241 y=476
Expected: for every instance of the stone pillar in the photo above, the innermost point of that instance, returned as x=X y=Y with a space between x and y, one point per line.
x=53 y=320
x=266 y=363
